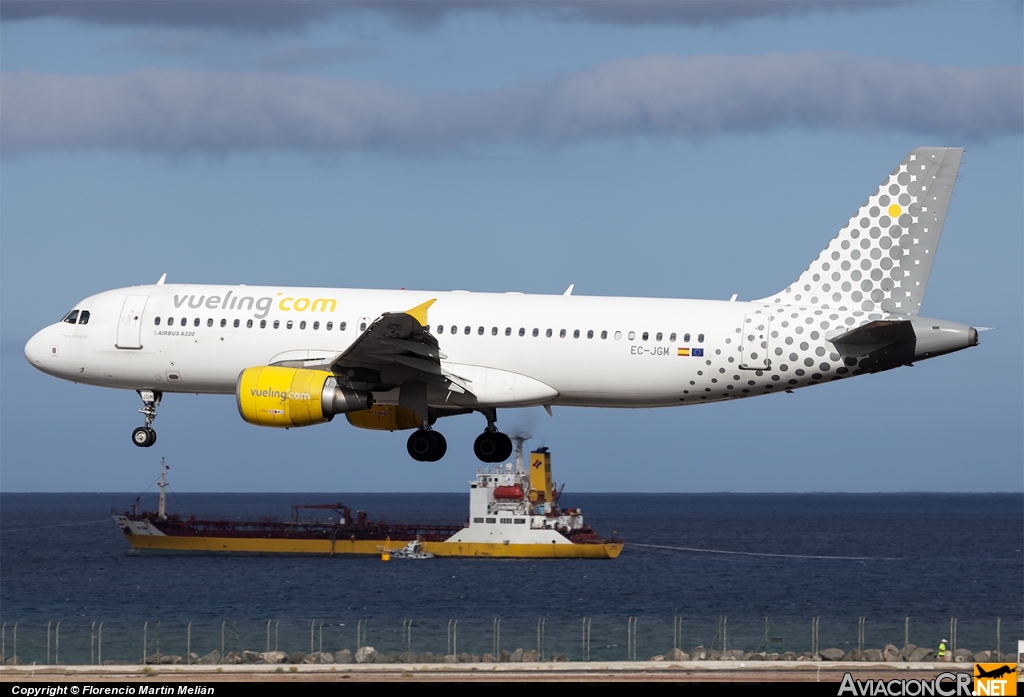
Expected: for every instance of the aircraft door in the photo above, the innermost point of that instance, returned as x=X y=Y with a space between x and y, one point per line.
x=754 y=349
x=129 y=328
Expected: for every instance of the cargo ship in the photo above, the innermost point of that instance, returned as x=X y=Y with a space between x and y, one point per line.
x=513 y=513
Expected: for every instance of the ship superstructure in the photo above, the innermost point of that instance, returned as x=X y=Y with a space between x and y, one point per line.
x=510 y=505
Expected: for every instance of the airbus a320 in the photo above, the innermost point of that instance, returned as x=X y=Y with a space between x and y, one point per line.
x=400 y=359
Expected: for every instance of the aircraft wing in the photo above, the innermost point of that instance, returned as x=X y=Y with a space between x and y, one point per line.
x=395 y=349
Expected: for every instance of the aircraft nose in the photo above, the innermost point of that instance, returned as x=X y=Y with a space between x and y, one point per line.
x=38 y=349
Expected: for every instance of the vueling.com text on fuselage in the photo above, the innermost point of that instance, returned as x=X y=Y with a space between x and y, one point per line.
x=260 y=306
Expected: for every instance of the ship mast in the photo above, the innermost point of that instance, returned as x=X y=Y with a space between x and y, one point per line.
x=162 y=510
x=519 y=440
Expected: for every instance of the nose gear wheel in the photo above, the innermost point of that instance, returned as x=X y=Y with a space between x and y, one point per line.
x=145 y=436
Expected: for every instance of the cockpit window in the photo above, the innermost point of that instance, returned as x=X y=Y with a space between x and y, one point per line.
x=84 y=317
x=71 y=317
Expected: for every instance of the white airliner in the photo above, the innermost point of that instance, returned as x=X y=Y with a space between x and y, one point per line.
x=400 y=359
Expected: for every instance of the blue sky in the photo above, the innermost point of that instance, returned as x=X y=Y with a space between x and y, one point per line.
x=643 y=149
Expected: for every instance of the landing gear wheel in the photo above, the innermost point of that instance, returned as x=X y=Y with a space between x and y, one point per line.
x=442 y=446
x=504 y=451
x=427 y=446
x=493 y=447
x=144 y=437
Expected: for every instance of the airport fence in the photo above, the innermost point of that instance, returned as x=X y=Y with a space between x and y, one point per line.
x=548 y=638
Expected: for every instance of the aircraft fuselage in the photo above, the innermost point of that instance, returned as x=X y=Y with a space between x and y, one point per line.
x=591 y=351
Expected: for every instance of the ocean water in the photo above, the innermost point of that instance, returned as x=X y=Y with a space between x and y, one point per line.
x=769 y=564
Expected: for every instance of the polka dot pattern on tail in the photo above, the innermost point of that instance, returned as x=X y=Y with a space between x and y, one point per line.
x=882 y=258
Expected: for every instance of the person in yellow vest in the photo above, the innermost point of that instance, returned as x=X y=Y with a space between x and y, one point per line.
x=942 y=650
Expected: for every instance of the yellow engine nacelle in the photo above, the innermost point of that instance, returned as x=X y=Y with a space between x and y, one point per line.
x=384 y=417
x=287 y=397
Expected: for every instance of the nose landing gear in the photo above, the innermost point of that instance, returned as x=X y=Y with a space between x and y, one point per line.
x=145 y=436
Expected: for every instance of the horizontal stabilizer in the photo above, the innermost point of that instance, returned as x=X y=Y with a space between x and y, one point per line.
x=872 y=336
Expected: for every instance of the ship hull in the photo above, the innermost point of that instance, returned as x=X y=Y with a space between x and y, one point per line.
x=247 y=545
x=608 y=550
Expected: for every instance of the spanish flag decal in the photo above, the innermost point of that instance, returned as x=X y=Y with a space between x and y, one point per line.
x=683 y=352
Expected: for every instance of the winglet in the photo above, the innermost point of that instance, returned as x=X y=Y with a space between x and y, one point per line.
x=419 y=313
x=162 y=279
x=568 y=291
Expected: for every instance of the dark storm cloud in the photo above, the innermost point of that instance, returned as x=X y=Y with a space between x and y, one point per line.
x=660 y=96
x=295 y=15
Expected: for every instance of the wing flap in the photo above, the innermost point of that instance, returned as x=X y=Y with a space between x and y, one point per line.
x=398 y=347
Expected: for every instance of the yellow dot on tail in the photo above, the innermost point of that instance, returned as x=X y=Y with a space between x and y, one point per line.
x=895 y=210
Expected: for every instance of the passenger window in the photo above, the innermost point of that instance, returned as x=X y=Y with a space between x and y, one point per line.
x=288 y=325
x=263 y=324
x=658 y=337
x=84 y=317
x=536 y=331
x=522 y=331
x=467 y=330
x=440 y=329
x=209 y=322
x=575 y=333
x=686 y=337
x=480 y=331
x=223 y=322
x=590 y=333
x=236 y=323
x=329 y=326
x=156 y=321
x=184 y=321
x=343 y=326
x=672 y=336
x=632 y=335
x=548 y=333
x=618 y=335
x=302 y=324
x=71 y=317
x=604 y=334
x=362 y=326
x=248 y=325
x=494 y=331
x=508 y=331
x=170 y=321
x=316 y=325
x=700 y=338
x=195 y=322
x=645 y=336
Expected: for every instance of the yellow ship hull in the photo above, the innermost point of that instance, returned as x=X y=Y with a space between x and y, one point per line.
x=244 y=545
x=608 y=550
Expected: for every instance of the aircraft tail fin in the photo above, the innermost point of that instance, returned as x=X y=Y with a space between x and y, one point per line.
x=881 y=259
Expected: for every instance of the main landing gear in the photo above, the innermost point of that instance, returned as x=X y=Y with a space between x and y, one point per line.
x=145 y=436
x=427 y=446
x=492 y=445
